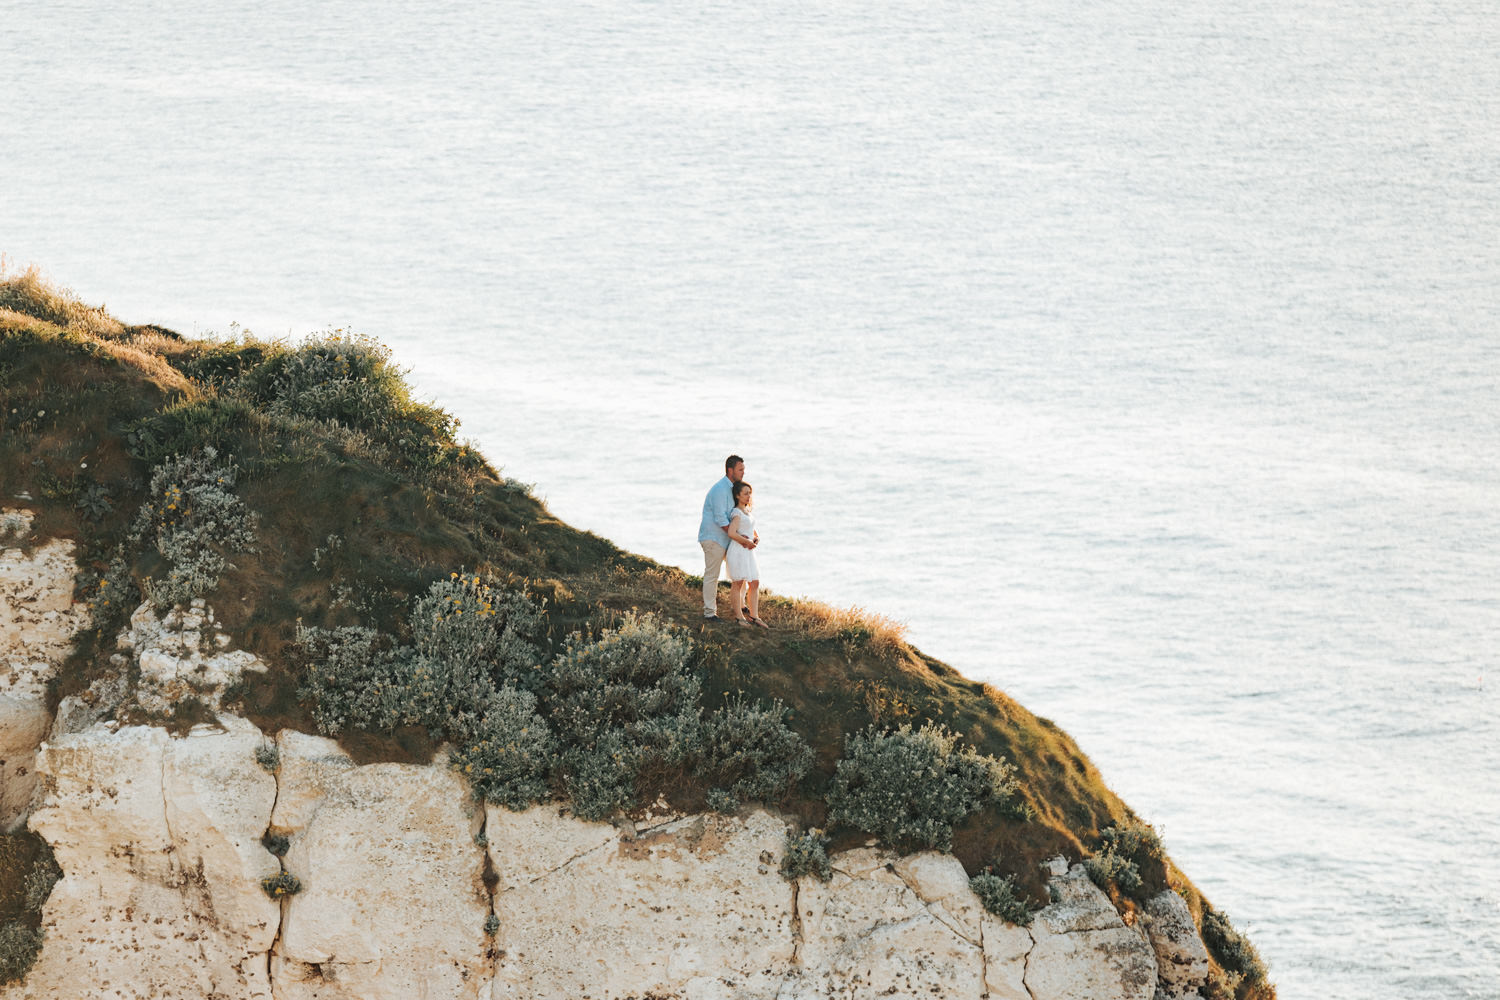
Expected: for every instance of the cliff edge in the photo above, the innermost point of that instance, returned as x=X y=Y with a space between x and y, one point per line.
x=300 y=697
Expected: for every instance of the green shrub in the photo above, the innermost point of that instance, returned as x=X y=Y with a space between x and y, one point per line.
x=491 y=925
x=349 y=380
x=187 y=427
x=113 y=596
x=806 y=855
x=1235 y=953
x=281 y=884
x=621 y=704
x=1107 y=867
x=504 y=748
x=346 y=379
x=1124 y=849
x=750 y=754
x=193 y=517
x=600 y=778
x=19 y=947
x=348 y=671
x=469 y=636
x=998 y=896
x=910 y=788
x=43 y=876
x=477 y=629
x=1134 y=840
x=268 y=757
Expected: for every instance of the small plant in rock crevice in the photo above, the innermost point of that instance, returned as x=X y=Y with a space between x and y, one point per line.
x=281 y=885
x=268 y=756
x=998 y=896
x=806 y=854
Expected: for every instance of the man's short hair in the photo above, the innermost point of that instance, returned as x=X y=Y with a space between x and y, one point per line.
x=731 y=462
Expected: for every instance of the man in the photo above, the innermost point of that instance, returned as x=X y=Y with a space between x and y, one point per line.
x=712 y=536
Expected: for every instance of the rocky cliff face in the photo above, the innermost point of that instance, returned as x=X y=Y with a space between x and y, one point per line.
x=409 y=889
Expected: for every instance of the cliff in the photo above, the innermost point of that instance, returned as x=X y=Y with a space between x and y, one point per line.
x=218 y=557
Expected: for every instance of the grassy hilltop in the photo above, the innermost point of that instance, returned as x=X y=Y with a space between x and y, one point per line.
x=326 y=516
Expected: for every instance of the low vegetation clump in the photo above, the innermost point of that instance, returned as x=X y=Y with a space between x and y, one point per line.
x=473 y=643
x=806 y=854
x=624 y=705
x=193 y=518
x=911 y=787
x=1127 y=852
x=28 y=872
x=19 y=947
x=281 y=885
x=999 y=897
x=1246 y=971
x=750 y=755
x=1107 y=869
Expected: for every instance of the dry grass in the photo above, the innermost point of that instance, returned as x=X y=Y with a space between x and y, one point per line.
x=32 y=295
x=878 y=633
x=150 y=364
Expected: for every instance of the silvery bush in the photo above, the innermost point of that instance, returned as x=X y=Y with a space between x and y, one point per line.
x=998 y=896
x=620 y=704
x=806 y=854
x=911 y=787
x=504 y=748
x=193 y=517
x=750 y=754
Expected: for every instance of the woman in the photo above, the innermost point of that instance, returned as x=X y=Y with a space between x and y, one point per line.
x=743 y=572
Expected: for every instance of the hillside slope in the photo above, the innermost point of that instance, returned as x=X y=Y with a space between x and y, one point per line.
x=317 y=505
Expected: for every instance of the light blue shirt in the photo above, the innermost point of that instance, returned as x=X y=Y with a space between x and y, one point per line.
x=716 y=508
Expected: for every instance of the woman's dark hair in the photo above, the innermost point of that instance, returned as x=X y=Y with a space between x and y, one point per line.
x=739 y=488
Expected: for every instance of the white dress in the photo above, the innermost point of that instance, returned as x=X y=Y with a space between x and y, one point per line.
x=740 y=559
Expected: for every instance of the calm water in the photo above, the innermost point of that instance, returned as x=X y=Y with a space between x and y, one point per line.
x=1145 y=358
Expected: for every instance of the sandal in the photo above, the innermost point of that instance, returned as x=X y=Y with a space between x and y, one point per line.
x=744 y=622
x=760 y=623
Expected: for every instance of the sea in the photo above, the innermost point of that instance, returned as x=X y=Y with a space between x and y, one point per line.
x=1142 y=358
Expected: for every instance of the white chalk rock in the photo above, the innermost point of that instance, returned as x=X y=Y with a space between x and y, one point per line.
x=694 y=908
x=38 y=616
x=311 y=766
x=158 y=842
x=23 y=723
x=177 y=663
x=393 y=904
x=1181 y=958
x=1084 y=951
x=38 y=619
x=939 y=880
x=1006 y=949
x=867 y=933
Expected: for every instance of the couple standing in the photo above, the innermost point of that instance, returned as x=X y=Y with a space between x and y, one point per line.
x=727 y=535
